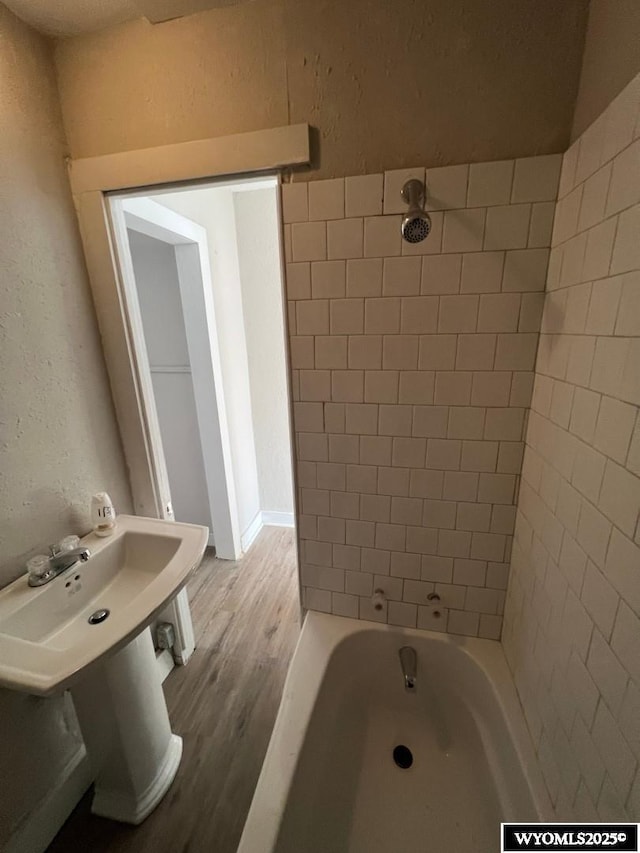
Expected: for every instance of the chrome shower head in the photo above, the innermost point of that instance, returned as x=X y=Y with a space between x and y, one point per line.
x=416 y=224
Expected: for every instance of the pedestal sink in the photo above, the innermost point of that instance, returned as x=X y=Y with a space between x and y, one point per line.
x=49 y=643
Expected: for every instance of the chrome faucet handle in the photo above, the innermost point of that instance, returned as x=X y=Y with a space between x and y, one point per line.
x=38 y=566
x=67 y=543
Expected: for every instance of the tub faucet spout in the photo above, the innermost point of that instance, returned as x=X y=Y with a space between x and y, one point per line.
x=409 y=664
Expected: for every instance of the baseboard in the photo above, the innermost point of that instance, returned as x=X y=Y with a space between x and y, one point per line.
x=266 y=518
x=39 y=828
x=248 y=537
x=211 y=541
x=278 y=519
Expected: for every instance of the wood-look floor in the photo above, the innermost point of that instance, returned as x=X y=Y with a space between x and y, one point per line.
x=223 y=704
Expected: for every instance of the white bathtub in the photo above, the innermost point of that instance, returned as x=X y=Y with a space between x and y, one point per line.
x=329 y=783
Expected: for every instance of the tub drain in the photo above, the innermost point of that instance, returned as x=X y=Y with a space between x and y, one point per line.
x=98 y=617
x=403 y=757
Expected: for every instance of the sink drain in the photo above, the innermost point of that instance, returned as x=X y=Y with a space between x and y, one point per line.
x=98 y=617
x=403 y=757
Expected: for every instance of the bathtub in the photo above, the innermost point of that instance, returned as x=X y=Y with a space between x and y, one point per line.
x=330 y=782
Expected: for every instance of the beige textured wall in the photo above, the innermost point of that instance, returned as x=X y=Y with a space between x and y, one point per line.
x=58 y=438
x=572 y=620
x=60 y=441
x=387 y=84
x=611 y=57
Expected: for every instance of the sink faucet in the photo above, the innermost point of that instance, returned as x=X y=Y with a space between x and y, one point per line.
x=57 y=564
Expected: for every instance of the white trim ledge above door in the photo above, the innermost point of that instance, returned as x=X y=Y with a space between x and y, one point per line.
x=257 y=151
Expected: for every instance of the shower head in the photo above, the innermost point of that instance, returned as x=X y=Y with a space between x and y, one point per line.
x=416 y=224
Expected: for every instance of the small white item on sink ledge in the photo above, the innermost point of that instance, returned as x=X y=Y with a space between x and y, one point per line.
x=103 y=514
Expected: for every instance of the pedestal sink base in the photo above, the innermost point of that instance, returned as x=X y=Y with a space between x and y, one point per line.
x=113 y=805
x=125 y=726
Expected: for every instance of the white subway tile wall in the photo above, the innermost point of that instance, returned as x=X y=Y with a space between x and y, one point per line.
x=572 y=619
x=412 y=377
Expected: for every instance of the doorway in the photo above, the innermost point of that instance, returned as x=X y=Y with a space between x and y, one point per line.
x=203 y=285
x=158 y=289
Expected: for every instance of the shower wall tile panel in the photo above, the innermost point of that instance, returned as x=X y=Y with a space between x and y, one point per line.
x=412 y=374
x=572 y=623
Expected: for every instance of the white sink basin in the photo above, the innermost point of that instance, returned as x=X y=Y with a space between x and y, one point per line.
x=45 y=637
x=47 y=645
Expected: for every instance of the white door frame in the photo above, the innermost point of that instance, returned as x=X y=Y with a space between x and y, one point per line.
x=192 y=260
x=91 y=180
